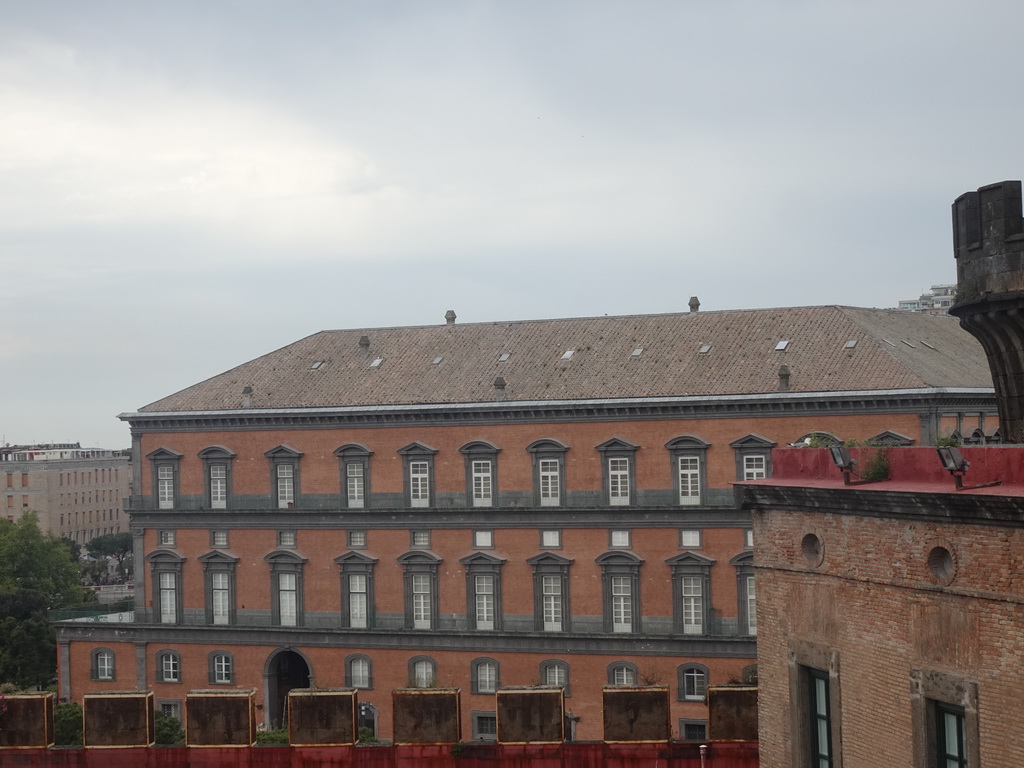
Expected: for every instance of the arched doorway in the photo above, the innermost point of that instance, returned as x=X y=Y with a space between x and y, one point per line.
x=286 y=669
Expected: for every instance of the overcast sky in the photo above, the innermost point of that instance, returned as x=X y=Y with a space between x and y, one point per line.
x=187 y=185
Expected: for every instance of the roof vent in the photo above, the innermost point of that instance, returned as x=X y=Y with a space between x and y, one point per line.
x=449 y=317
x=247 y=397
x=499 y=382
x=694 y=304
x=783 y=378
x=364 y=342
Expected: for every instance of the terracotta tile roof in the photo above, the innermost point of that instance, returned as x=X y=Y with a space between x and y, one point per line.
x=894 y=350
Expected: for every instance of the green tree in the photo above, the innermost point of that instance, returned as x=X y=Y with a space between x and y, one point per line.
x=67 y=725
x=37 y=561
x=168 y=730
x=73 y=547
x=37 y=573
x=115 y=545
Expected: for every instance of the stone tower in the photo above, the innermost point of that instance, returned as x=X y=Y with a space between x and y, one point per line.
x=988 y=242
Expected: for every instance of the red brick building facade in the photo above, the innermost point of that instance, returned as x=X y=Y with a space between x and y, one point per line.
x=891 y=614
x=481 y=505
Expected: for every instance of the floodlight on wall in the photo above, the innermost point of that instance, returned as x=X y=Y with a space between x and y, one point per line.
x=845 y=464
x=954 y=462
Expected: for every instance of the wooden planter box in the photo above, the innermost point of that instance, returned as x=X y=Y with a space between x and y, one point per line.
x=118 y=719
x=426 y=715
x=28 y=721
x=635 y=714
x=322 y=717
x=530 y=715
x=220 y=718
x=732 y=712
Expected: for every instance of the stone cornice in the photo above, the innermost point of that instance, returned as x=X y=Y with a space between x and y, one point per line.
x=920 y=400
x=955 y=508
x=552 y=643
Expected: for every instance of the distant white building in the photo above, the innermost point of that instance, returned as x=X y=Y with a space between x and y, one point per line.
x=78 y=492
x=936 y=302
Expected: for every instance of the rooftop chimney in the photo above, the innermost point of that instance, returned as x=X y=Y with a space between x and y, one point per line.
x=364 y=342
x=988 y=244
x=247 y=397
x=499 y=388
x=694 y=305
x=783 y=378
x=449 y=317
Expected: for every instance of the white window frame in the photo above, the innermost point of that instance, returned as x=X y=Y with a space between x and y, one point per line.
x=549 y=473
x=359 y=672
x=358 y=600
x=618 y=481
x=422 y=604
x=690 y=538
x=552 y=602
x=424 y=673
x=285 y=477
x=692 y=595
x=622 y=603
x=168 y=590
x=486 y=676
x=694 y=684
x=104 y=665
x=419 y=483
x=220 y=593
x=484 y=600
x=165 y=486
x=355 y=479
x=623 y=674
x=755 y=466
x=170 y=668
x=287 y=597
x=222 y=669
x=689 y=480
x=551 y=539
x=483 y=482
x=218 y=486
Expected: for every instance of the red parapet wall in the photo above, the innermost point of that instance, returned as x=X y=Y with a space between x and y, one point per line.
x=475 y=755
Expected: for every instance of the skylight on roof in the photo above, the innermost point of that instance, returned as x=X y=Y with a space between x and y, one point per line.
x=568 y=353
x=376 y=363
x=705 y=349
x=316 y=365
x=782 y=345
x=851 y=344
x=638 y=351
x=504 y=356
x=437 y=360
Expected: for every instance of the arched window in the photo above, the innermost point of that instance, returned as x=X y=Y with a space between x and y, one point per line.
x=693 y=682
x=358 y=671
x=555 y=672
x=221 y=668
x=622 y=673
x=422 y=672
x=484 y=676
x=168 y=667
x=103 y=664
